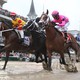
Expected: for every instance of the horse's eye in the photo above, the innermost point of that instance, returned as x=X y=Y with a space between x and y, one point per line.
x=45 y=17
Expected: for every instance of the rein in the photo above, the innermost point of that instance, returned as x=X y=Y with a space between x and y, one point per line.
x=32 y=26
x=29 y=25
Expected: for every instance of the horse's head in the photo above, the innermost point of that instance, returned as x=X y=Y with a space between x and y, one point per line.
x=45 y=20
x=31 y=25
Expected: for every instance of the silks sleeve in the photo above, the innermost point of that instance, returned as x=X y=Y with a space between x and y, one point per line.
x=62 y=24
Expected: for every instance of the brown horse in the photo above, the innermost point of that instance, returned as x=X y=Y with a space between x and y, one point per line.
x=55 y=41
x=12 y=43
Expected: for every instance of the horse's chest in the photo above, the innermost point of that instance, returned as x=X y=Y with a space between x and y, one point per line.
x=49 y=44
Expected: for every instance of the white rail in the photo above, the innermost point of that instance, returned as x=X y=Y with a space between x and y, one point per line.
x=5 y=17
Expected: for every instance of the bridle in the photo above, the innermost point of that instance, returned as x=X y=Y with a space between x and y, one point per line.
x=45 y=19
x=31 y=25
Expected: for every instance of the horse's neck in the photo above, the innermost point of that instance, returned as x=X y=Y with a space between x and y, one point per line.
x=5 y=34
x=50 y=33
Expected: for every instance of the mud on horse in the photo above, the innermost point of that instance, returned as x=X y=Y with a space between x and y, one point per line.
x=12 y=43
x=55 y=42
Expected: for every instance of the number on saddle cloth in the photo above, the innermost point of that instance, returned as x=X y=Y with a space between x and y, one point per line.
x=27 y=36
x=27 y=40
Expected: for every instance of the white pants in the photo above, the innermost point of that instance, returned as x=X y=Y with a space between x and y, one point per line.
x=21 y=33
x=64 y=28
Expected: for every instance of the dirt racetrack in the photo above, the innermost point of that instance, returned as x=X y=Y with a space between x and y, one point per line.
x=34 y=71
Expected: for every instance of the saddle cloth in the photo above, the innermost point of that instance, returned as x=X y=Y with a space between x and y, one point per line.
x=27 y=40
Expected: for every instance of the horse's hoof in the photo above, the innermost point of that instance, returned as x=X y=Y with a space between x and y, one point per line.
x=71 y=68
x=49 y=69
x=36 y=61
x=72 y=71
x=44 y=65
x=77 y=60
x=75 y=70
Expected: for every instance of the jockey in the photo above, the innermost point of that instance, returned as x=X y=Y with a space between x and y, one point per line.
x=61 y=21
x=18 y=24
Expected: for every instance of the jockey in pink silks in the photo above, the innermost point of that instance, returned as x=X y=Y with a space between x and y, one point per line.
x=61 y=21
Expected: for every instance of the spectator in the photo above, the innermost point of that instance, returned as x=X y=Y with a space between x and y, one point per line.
x=78 y=37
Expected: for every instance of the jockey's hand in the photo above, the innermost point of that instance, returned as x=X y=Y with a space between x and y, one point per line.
x=19 y=28
x=54 y=23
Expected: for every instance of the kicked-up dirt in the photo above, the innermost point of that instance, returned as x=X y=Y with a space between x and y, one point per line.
x=34 y=71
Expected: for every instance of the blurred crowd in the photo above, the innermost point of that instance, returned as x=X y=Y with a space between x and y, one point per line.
x=21 y=56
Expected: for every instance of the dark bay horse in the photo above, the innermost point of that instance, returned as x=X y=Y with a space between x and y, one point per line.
x=55 y=41
x=11 y=41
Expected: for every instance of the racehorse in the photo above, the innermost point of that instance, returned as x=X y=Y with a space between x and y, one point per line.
x=55 y=42
x=11 y=41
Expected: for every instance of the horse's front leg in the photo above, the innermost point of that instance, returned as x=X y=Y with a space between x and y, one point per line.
x=62 y=61
x=44 y=63
x=69 y=65
x=49 y=61
x=6 y=60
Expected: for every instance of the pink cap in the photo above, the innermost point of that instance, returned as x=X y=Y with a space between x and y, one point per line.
x=55 y=12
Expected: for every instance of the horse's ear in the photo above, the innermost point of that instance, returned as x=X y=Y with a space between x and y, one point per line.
x=47 y=11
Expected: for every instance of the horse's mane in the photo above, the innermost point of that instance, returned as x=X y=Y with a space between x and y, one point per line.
x=54 y=24
x=37 y=19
